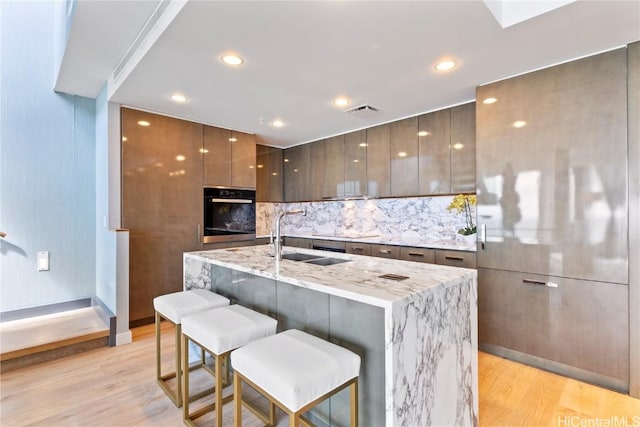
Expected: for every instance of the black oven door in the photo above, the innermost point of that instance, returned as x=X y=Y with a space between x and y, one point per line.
x=229 y=215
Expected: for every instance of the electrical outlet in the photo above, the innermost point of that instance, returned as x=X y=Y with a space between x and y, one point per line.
x=43 y=261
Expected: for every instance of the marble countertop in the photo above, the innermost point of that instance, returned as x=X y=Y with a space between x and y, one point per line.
x=468 y=245
x=359 y=279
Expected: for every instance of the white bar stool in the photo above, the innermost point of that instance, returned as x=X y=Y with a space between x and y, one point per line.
x=173 y=307
x=296 y=371
x=219 y=331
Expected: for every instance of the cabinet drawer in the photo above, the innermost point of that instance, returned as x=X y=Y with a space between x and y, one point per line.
x=224 y=245
x=456 y=258
x=417 y=254
x=358 y=248
x=384 y=251
x=329 y=245
x=298 y=242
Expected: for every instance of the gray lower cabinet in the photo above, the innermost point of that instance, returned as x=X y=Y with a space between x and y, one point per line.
x=455 y=258
x=356 y=326
x=580 y=327
x=408 y=253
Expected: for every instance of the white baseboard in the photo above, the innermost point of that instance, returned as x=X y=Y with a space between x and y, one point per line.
x=123 y=338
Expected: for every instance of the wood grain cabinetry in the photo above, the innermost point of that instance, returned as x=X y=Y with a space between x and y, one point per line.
x=269 y=185
x=317 y=165
x=417 y=254
x=162 y=172
x=463 y=148
x=297 y=175
x=434 y=131
x=334 y=168
x=385 y=251
x=455 y=258
x=229 y=158
x=358 y=248
x=355 y=163
x=582 y=324
x=404 y=157
x=298 y=242
x=379 y=161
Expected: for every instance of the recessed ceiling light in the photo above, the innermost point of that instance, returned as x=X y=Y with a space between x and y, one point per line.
x=402 y=154
x=446 y=65
x=180 y=99
x=232 y=139
x=341 y=101
x=423 y=133
x=277 y=123
x=144 y=123
x=250 y=166
x=490 y=100
x=203 y=150
x=519 y=124
x=180 y=158
x=355 y=160
x=232 y=59
x=458 y=146
x=124 y=139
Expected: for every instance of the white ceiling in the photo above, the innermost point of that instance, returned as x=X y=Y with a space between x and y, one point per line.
x=300 y=55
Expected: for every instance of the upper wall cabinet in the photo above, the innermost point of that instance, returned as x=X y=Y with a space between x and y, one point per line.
x=355 y=163
x=333 y=167
x=404 y=157
x=297 y=175
x=379 y=161
x=317 y=176
x=463 y=148
x=269 y=184
x=434 y=130
x=229 y=158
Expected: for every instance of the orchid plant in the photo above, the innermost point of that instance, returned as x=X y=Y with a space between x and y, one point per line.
x=462 y=204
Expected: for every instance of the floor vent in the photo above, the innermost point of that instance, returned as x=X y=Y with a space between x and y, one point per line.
x=395 y=277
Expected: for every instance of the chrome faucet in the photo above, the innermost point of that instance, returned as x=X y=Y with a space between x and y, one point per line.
x=277 y=244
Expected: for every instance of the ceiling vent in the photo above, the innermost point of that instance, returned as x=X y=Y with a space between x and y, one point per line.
x=363 y=111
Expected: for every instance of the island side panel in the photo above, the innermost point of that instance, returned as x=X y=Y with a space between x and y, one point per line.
x=435 y=377
x=196 y=274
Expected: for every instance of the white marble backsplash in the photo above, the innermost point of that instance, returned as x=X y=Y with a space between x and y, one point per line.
x=414 y=221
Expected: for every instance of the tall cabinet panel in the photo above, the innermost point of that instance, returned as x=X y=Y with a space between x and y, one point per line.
x=550 y=175
x=276 y=175
x=463 y=148
x=433 y=150
x=161 y=204
x=404 y=157
x=269 y=186
x=355 y=163
x=217 y=156
x=243 y=160
x=296 y=173
x=334 y=167
x=317 y=169
x=379 y=161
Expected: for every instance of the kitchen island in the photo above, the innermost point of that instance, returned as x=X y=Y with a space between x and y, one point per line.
x=414 y=325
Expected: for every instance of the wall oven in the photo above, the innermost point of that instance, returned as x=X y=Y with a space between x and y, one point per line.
x=229 y=214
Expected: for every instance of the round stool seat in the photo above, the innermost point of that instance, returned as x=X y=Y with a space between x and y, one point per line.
x=294 y=367
x=177 y=305
x=223 y=329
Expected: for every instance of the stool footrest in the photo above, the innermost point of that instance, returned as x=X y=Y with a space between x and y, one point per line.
x=205 y=410
x=269 y=420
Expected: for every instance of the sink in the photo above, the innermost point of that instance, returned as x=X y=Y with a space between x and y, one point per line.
x=327 y=261
x=299 y=257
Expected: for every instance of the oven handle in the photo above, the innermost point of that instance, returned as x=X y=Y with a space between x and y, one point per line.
x=245 y=201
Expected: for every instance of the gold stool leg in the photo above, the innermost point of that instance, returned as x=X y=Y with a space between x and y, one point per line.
x=179 y=370
x=185 y=377
x=237 y=400
x=158 y=373
x=219 y=389
x=353 y=392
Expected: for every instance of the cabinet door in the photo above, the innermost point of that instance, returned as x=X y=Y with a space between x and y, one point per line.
x=243 y=160
x=355 y=163
x=578 y=323
x=463 y=148
x=317 y=170
x=379 y=161
x=296 y=173
x=217 y=156
x=417 y=254
x=433 y=148
x=334 y=167
x=456 y=258
x=161 y=204
x=358 y=248
x=552 y=186
x=385 y=251
x=262 y=173
x=275 y=175
x=404 y=157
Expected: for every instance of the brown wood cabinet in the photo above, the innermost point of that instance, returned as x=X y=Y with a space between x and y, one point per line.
x=408 y=253
x=355 y=163
x=404 y=157
x=297 y=161
x=463 y=148
x=358 y=248
x=317 y=165
x=385 y=251
x=455 y=258
x=434 y=134
x=161 y=204
x=379 y=161
x=334 y=168
x=269 y=185
x=229 y=158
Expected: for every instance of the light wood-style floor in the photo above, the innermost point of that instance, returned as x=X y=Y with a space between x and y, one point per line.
x=116 y=387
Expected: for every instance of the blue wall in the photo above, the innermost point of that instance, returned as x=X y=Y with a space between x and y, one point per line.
x=47 y=167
